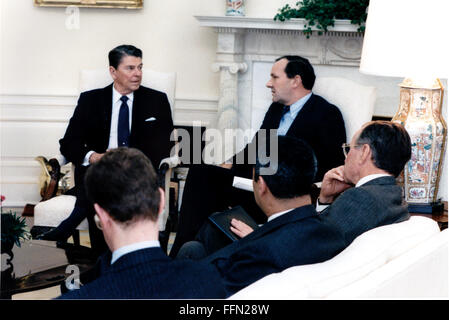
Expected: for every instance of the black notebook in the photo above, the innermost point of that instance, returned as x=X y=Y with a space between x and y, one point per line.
x=223 y=220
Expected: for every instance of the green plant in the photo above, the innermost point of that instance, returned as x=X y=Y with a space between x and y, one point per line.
x=13 y=228
x=323 y=13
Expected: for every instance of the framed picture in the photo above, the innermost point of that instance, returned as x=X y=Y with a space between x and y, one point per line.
x=128 y=4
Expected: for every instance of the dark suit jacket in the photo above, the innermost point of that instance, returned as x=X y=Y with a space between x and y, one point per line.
x=319 y=123
x=150 y=274
x=89 y=127
x=295 y=238
x=374 y=204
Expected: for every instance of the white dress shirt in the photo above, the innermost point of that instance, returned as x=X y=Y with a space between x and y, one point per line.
x=133 y=247
x=116 y=104
x=290 y=116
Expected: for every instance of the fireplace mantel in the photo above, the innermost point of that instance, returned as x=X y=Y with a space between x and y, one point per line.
x=248 y=23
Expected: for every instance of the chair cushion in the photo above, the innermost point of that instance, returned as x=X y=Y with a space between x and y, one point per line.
x=355 y=101
x=161 y=81
x=366 y=253
x=52 y=212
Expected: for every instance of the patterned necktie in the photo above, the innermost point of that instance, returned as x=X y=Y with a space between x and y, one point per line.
x=123 y=124
x=285 y=109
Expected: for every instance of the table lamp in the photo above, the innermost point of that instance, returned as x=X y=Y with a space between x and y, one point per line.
x=409 y=39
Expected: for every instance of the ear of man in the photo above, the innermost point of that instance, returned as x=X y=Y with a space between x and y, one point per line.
x=365 y=154
x=262 y=187
x=112 y=72
x=161 y=202
x=103 y=215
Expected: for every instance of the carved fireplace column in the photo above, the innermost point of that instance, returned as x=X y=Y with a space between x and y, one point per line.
x=229 y=63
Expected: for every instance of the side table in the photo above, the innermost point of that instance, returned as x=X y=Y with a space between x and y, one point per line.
x=441 y=218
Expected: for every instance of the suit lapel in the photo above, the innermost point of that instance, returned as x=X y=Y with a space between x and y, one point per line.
x=136 y=110
x=107 y=112
x=302 y=115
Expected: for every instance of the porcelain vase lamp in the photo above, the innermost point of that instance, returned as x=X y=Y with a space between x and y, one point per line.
x=406 y=38
x=420 y=113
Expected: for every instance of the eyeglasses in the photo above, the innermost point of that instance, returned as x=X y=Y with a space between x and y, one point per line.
x=346 y=147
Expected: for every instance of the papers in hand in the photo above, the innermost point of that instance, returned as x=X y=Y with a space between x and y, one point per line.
x=243 y=183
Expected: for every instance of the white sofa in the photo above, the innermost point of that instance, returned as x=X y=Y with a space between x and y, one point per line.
x=407 y=260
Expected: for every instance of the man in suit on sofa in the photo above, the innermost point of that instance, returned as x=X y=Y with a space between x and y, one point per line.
x=296 y=111
x=127 y=199
x=121 y=114
x=294 y=234
x=362 y=194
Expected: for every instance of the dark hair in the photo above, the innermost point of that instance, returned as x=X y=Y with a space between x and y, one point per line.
x=296 y=168
x=390 y=145
x=125 y=184
x=115 y=55
x=297 y=65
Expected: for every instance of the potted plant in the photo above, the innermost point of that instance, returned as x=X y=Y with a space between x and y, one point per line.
x=322 y=13
x=13 y=230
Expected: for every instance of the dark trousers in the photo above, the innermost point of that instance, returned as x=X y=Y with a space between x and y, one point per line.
x=208 y=189
x=83 y=209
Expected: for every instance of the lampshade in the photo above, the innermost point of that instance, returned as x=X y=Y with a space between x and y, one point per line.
x=407 y=38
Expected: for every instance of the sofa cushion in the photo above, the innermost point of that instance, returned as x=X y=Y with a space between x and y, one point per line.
x=393 y=280
x=366 y=253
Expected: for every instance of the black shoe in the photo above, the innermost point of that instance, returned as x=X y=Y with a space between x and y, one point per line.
x=52 y=235
x=37 y=231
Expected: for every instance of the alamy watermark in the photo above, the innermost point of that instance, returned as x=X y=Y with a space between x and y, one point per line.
x=218 y=143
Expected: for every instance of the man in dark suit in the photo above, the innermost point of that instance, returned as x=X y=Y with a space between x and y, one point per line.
x=376 y=155
x=121 y=114
x=294 y=234
x=127 y=199
x=295 y=112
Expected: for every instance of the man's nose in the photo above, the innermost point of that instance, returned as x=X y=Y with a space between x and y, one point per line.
x=269 y=84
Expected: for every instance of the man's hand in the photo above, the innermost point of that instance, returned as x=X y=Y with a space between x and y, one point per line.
x=240 y=228
x=333 y=184
x=94 y=157
x=226 y=165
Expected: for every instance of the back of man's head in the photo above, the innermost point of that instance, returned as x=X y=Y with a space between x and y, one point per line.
x=296 y=168
x=390 y=145
x=297 y=65
x=125 y=184
x=115 y=55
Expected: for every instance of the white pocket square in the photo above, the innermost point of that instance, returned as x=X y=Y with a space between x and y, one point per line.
x=151 y=119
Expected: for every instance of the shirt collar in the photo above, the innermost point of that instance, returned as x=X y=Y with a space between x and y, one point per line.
x=371 y=177
x=297 y=106
x=117 y=95
x=277 y=215
x=133 y=247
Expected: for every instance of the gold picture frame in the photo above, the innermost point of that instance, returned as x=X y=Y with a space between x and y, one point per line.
x=127 y=4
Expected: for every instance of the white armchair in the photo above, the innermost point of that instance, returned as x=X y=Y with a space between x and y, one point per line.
x=355 y=101
x=52 y=212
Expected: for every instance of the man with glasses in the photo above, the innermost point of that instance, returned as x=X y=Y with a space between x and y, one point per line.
x=362 y=194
